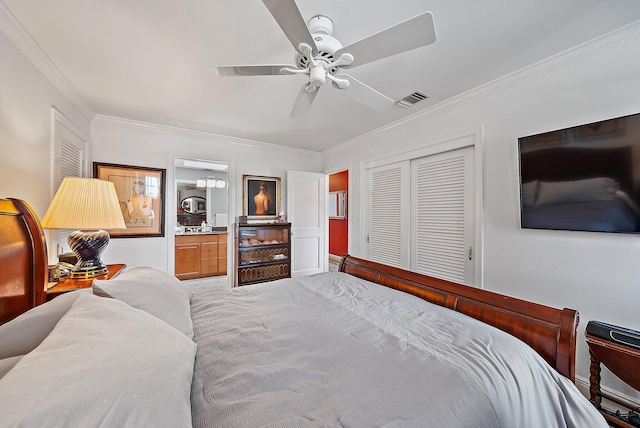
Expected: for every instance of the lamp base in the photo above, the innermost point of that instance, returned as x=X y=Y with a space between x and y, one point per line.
x=88 y=245
x=87 y=273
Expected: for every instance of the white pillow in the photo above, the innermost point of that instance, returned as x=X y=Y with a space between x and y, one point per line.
x=529 y=193
x=104 y=364
x=7 y=364
x=153 y=290
x=563 y=192
x=22 y=334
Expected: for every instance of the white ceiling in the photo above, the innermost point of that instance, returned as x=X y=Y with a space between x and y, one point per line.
x=150 y=60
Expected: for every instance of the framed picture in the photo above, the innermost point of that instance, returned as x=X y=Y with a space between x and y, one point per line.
x=260 y=197
x=141 y=194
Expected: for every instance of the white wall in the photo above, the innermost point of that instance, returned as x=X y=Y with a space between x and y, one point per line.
x=595 y=273
x=132 y=143
x=26 y=99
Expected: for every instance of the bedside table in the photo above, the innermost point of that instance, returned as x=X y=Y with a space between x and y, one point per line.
x=66 y=284
x=623 y=361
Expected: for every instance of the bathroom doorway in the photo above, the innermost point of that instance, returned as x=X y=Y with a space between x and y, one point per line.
x=201 y=205
x=337 y=204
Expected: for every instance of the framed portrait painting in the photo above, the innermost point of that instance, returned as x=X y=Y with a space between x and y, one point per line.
x=141 y=195
x=261 y=197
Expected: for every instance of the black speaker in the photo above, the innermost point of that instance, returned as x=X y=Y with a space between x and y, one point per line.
x=614 y=333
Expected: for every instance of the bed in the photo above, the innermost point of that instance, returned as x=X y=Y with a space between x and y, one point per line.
x=370 y=345
x=588 y=189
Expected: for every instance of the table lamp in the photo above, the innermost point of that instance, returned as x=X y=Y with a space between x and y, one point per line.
x=90 y=205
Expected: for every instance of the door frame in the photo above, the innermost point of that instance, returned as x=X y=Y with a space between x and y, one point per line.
x=172 y=216
x=350 y=197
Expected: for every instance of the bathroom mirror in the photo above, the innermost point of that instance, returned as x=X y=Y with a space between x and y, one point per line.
x=194 y=205
x=338 y=205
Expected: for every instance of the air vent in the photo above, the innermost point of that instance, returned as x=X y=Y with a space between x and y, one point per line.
x=410 y=100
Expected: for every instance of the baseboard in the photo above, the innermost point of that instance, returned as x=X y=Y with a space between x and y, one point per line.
x=631 y=402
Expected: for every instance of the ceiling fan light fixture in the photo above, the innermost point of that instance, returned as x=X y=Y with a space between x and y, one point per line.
x=317 y=75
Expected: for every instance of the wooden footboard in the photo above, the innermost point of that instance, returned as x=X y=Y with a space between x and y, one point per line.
x=549 y=331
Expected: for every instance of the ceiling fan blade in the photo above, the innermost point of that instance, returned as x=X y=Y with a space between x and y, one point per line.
x=303 y=102
x=410 y=34
x=251 y=70
x=366 y=94
x=290 y=20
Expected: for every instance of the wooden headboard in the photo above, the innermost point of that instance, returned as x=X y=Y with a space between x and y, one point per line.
x=23 y=259
x=550 y=332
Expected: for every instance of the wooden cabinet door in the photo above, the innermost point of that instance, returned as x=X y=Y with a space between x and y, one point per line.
x=187 y=260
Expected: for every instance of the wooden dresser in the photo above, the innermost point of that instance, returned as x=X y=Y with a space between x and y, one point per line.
x=200 y=255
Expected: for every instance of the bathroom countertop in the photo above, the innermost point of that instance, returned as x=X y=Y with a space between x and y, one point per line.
x=195 y=230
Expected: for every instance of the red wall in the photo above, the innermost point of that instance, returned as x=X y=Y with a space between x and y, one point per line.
x=339 y=229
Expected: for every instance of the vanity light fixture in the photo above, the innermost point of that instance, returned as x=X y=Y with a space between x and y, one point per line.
x=211 y=182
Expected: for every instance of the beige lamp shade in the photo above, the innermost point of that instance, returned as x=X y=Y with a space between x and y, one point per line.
x=84 y=203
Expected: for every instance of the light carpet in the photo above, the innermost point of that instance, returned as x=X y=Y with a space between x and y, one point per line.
x=212 y=281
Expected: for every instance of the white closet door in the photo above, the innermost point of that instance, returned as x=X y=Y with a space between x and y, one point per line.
x=388 y=196
x=442 y=215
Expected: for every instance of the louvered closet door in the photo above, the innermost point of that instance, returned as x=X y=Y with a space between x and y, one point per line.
x=69 y=160
x=442 y=215
x=388 y=211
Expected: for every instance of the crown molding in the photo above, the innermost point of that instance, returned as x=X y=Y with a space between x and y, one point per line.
x=186 y=132
x=606 y=42
x=12 y=28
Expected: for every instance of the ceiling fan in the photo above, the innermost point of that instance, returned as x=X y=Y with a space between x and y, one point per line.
x=323 y=58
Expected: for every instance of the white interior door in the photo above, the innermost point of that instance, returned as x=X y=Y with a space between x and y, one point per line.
x=306 y=197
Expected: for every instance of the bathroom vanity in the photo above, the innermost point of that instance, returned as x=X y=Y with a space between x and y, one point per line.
x=200 y=254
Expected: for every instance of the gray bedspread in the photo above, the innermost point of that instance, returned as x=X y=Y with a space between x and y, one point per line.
x=332 y=350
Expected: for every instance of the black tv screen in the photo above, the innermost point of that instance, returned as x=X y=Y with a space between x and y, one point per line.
x=584 y=178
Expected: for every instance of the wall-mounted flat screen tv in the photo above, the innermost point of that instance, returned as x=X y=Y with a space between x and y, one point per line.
x=584 y=178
